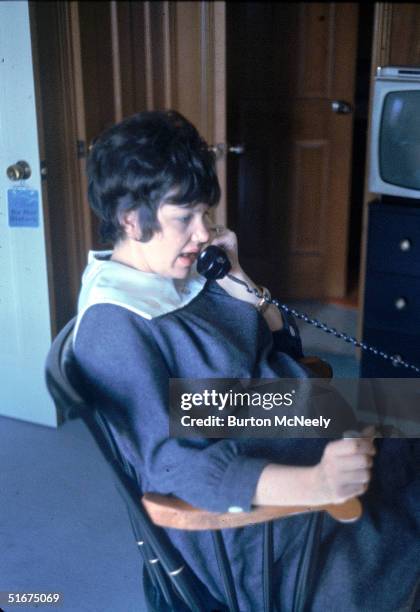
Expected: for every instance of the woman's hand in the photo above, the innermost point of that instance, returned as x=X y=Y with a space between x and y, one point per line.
x=225 y=238
x=345 y=468
x=342 y=473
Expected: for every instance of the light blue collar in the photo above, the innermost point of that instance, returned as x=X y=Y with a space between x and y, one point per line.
x=147 y=294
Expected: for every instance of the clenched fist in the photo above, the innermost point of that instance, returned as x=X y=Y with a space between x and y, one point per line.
x=345 y=468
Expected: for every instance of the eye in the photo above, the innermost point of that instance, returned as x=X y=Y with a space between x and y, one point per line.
x=185 y=218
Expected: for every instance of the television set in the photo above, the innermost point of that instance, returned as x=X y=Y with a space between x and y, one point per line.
x=394 y=156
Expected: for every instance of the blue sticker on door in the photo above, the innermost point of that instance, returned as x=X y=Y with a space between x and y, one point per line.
x=23 y=206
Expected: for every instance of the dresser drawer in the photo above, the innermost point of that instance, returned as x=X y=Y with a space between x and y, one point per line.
x=392 y=302
x=393 y=343
x=394 y=239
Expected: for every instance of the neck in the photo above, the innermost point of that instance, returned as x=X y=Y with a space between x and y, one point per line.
x=125 y=252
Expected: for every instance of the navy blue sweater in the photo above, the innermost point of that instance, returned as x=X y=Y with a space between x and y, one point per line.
x=127 y=361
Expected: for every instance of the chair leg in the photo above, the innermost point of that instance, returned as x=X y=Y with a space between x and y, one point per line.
x=156 y=572
x=152 y=565
x=225 y=571
x=160 y=576
x=180 y=576
x=307 y=563
x=268 y=566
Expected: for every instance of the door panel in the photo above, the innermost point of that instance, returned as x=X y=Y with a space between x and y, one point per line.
x=138 y=56
x=314 y=53
x=289 y=192
x=309 y=181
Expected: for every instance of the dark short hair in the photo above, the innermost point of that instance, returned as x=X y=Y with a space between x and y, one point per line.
x=137 y=162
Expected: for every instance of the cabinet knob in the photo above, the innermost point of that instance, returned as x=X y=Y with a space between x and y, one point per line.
x=405 y=244
x=400 y=303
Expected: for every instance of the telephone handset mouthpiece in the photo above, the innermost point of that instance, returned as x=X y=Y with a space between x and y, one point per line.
x=213 y=263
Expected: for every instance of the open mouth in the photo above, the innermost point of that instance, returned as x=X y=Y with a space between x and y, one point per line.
x=188 y=257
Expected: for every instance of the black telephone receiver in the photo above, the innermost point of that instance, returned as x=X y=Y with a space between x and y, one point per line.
x=213 y=263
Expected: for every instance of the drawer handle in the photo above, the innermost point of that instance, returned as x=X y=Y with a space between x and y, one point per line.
x=405 y=244
x=400 y=303
x=396 y=359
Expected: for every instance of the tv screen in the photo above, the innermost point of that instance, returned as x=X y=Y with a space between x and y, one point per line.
x=399 y=139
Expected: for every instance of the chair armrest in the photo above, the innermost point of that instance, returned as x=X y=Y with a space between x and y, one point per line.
x=319 y=367
x=168 y=511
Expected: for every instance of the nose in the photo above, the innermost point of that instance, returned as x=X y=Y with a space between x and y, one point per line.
x=201 y=233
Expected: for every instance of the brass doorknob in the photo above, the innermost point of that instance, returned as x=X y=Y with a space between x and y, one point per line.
x=237 y=149
x=341 y=107
x=221 y=148
x=19 y=171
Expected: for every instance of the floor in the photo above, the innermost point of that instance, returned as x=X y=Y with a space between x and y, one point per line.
x=63 y=527
x=341 y=355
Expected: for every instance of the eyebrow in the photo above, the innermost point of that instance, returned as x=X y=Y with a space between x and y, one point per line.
x=190 y=207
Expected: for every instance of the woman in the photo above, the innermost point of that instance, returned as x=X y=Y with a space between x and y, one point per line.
x=145 y=316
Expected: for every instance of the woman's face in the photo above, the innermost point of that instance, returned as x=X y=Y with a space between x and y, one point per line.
x=172 y=251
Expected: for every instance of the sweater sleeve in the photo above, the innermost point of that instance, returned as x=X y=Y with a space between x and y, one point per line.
x=126 y=372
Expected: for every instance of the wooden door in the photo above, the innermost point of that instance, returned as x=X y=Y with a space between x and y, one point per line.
x=288 y=194
x=138 y=56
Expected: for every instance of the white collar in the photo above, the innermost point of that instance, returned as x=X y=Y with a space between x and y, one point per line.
x=147 y=294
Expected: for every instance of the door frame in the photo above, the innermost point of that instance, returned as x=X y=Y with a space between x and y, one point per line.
x=55 y=35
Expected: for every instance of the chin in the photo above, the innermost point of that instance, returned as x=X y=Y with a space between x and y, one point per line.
x=180 y=274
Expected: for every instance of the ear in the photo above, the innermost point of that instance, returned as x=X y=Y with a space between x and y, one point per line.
x=130 y=223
